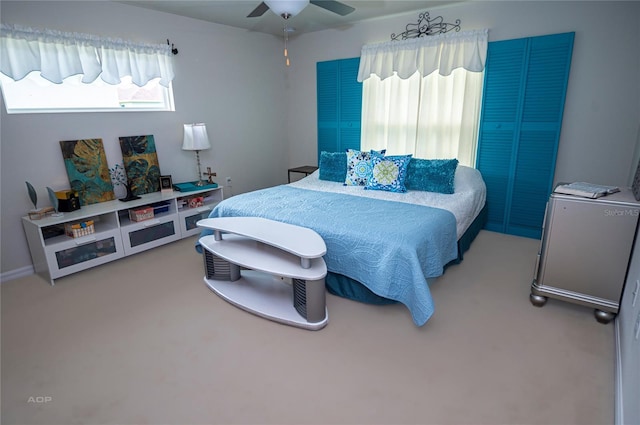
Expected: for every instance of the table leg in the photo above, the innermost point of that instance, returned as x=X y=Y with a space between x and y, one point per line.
x=220 y=269
x=309 y=299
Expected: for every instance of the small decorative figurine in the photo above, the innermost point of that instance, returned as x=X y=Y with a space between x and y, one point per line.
x=32 y=195
x=119 y=178
x=54 y=203
x=35 y=213
x=210 y=174
x=130 y=196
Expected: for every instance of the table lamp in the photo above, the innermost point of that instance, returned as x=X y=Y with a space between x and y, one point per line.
x=196 y=139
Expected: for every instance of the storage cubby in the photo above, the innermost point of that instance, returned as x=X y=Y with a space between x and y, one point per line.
x=57 y=234
x=191 y=212
x=106 y=231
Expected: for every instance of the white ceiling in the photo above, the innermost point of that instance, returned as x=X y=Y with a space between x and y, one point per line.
x=312 y=18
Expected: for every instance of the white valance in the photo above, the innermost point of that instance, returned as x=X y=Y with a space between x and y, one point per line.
x=444 y=52
x=58 y=55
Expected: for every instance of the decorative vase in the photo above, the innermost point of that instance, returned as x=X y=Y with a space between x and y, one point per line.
x=120 y=191
x=130 y=196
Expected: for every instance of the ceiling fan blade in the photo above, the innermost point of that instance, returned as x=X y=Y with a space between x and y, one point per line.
x=334 y=6
x=258 y=11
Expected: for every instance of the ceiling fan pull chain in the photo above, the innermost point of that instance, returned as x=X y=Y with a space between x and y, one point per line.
x=286 y=50
x=286 y=38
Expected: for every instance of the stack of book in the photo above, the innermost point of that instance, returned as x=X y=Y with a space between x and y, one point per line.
x=586 y=190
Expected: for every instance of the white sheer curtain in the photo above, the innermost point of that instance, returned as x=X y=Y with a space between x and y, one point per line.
x=58 y=55
x=423 y=96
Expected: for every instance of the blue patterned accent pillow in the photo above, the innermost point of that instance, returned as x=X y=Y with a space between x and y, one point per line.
x=333 y=166
x=359 y=166
x=388 y=173
x=432 y=175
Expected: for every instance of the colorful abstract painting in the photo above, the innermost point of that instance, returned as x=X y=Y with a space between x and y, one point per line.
x=141 y=163
x=88 y=171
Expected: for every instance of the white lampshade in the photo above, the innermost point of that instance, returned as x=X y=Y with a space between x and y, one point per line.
x=287 y=8
x=195 y=137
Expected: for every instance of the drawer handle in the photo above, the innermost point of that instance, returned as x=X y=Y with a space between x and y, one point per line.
x=149 y=223
x=635 y=293
x=85 y=239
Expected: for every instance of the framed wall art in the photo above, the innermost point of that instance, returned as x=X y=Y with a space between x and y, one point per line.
x=141 y=163
x=88 y=171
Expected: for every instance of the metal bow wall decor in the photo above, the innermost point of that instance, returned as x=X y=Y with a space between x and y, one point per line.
x=426 y=26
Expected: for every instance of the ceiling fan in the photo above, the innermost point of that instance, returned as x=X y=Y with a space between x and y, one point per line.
x=290 y=8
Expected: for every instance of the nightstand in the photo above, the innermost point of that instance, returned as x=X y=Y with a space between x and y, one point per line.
x=585 y=251
x=305 y=169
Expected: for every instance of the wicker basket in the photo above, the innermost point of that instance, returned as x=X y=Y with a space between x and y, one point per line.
x=76 y=230
x=141 y=214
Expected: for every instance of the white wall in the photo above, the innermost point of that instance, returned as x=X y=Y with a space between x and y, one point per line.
x=602 y=110
x=261 y=124
x=216 y=83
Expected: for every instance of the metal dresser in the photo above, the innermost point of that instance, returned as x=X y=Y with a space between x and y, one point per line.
x=585 y=251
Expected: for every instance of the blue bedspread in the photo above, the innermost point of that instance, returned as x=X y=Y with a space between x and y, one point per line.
x=390 y=247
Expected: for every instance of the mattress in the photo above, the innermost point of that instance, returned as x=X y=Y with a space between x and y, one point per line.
x=465 y=204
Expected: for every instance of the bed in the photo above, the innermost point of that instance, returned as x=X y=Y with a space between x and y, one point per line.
x=382 y=246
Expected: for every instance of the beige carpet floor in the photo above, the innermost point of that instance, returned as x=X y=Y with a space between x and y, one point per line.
x=142 y=340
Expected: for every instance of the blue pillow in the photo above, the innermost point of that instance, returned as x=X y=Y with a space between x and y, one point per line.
x=432 y=175
x=388 y=173
x=333 y=166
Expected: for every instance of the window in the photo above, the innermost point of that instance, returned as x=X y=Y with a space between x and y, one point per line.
x=34 y=94
x=422 y=96
x=430 y=117
x=53 y=71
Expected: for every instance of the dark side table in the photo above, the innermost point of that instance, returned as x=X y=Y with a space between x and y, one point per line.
x=305 y=169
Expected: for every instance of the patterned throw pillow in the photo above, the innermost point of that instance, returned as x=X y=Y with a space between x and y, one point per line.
x=358 y=167
x=388 y=173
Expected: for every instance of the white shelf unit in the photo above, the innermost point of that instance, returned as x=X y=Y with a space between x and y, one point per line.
x=54 y=254
x=189 y=216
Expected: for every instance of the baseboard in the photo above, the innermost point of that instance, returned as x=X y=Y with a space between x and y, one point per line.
x=16 y=273
x=618 y=408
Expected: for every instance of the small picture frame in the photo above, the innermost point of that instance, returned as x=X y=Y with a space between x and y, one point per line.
x=166 y=184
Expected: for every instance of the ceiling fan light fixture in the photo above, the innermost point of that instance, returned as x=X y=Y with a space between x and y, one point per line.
x=287 y=8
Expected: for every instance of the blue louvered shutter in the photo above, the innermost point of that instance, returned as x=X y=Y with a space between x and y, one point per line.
x=500 y=111
x=523 y=103
x=327 y=95
x=339 y=97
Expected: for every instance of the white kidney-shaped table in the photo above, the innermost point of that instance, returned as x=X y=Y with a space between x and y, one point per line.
x=272 y=269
